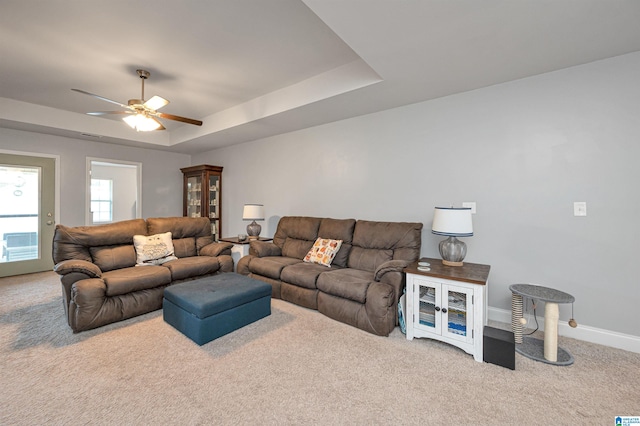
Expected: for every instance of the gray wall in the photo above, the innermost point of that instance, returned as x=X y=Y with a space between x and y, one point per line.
x=161 y=176
x=124 y=188
x=524 y=151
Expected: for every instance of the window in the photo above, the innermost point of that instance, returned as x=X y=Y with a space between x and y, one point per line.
x=125 y=194
x=102 y=200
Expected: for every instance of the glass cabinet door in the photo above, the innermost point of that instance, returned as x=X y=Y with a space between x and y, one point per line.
x=428 y=306
x=457 y=309
x=214 y=205
x=444 y=309
x=194 y=196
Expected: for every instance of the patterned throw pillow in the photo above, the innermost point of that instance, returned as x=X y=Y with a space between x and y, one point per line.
x=153 y=249
x=323 y=251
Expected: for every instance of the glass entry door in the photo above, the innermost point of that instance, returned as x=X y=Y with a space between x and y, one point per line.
x=27 y=222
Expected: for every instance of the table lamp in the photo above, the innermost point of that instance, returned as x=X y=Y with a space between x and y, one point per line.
x=253 y=212
x=452 y=222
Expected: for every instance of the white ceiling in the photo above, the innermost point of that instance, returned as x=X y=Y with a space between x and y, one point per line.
x=255 y=68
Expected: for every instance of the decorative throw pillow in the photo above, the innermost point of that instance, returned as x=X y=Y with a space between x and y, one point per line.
x=153 y=249
x=323 y=251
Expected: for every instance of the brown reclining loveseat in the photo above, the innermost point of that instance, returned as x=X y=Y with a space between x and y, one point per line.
x=363 y=283
x=101 y=283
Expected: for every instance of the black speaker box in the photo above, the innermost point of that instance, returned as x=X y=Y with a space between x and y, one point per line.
x=498 y=347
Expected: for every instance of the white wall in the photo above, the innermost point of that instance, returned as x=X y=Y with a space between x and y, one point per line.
x=161 y=176
x=524 y=151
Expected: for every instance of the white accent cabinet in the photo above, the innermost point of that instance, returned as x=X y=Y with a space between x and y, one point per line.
x=448 y=303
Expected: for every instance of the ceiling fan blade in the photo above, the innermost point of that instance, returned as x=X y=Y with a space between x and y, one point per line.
x=101 y=97
x=109 y=112
x=158 y=121
x=178 y=118
x=155 y=103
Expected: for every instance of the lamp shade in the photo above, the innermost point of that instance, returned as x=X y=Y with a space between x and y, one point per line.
x=452 y=222
x=253 y=212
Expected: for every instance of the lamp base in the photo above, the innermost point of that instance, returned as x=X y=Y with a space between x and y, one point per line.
x=452 y=251
x=253 y=230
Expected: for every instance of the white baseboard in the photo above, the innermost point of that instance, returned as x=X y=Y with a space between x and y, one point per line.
x=582 y=332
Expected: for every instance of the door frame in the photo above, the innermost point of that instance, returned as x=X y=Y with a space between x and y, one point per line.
x=56 y=159
x=136 y=164
x=56 y=166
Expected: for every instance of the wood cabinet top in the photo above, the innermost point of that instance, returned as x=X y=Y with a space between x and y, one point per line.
x=235 y=240
x=469 y=272
x=201 y=168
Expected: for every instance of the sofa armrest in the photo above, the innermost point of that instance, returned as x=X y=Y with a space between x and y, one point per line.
x=216 y=249
x=75 y=265
x=243 y=265
x=390 y=273
x=264 y=249
x=390 y=266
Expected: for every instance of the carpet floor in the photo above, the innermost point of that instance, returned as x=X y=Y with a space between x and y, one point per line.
x=294 y=367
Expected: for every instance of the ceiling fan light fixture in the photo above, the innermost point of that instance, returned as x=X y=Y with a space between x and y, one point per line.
x=141 y=115
x=155 y=103
x=142 y=123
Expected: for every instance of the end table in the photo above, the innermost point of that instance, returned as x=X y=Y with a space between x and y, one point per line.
x=447 y=303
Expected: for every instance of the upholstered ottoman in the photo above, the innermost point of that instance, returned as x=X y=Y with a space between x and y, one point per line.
x=210 y=307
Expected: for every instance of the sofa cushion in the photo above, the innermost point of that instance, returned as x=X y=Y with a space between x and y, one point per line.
x=296 y=228
x=295 y=248
x=338 y=229
x=271 y=266
x=323 y=251
x=74 y=242
x=347 y=283
x=185 y=247
x=402 y=237
x=182 y=227
x=302 y=274
x=127 y=280
x=108 y=258
x=295 y=235
x=153 y=249
x=368 y=259
x=189 y=267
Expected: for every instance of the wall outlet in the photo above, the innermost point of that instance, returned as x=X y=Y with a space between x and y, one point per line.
x=580 y=208
x=471 y=204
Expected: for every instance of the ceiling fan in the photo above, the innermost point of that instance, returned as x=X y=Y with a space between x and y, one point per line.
x=140 y=114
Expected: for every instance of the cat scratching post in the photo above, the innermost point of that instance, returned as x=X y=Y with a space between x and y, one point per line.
x=548 y=350
x=516 y=317
x=551 y=315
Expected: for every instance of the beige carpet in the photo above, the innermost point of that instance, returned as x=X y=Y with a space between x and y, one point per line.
x=293 y=367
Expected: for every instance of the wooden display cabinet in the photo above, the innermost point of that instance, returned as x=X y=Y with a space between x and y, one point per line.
x=202 y=192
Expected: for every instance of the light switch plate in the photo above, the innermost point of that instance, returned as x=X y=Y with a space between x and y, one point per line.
x=580 y=208
x=471 y=204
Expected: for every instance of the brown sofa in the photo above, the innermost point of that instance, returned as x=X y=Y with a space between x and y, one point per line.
x=100 y=282
x=364 y=281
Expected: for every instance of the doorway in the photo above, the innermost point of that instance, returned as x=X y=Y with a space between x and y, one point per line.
x=28 y=193
x=113 y=191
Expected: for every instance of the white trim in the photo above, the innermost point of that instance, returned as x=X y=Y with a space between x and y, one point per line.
x=613 y=339
x=56 y=159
